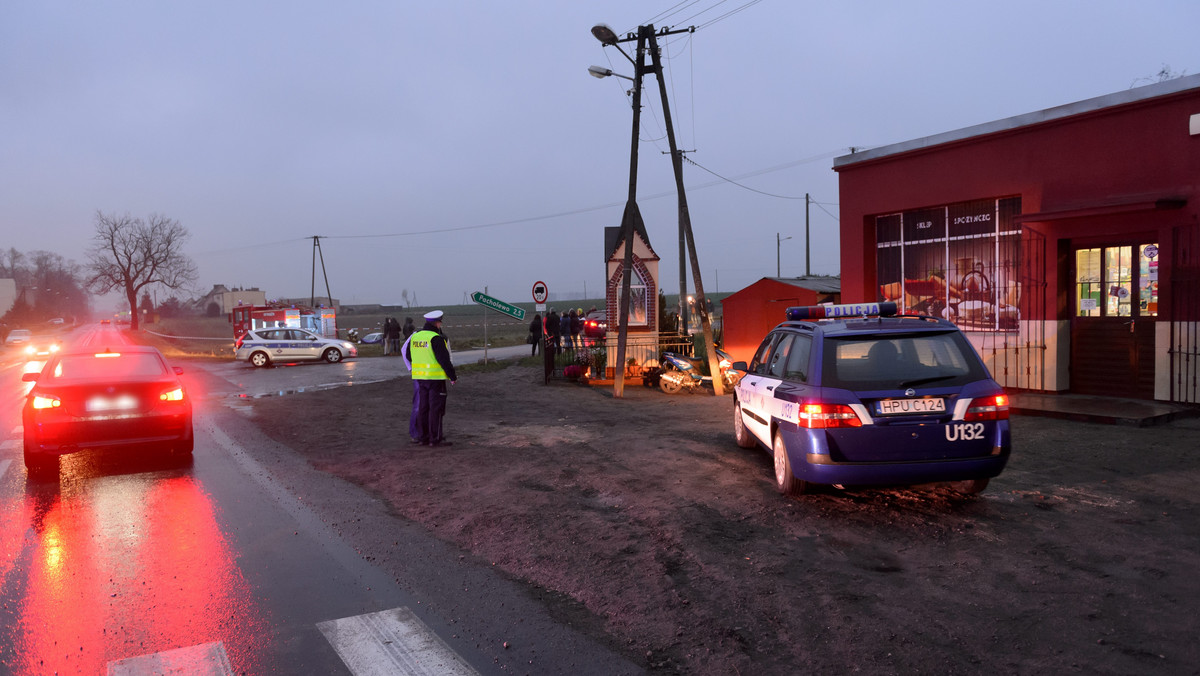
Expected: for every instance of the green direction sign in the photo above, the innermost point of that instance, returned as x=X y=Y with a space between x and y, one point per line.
x=498 y=305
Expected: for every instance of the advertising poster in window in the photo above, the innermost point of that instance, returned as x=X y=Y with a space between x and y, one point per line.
x=958 y=262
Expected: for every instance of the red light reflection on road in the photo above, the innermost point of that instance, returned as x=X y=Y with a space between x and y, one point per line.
x=137 y=567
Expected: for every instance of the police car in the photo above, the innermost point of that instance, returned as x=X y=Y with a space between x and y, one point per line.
x=854 y=395
x=262 y=347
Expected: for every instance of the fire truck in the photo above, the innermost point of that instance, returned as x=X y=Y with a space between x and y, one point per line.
x=320 y=320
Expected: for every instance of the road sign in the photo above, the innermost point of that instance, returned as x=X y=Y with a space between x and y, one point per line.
x=540 y=292
x=498 y=305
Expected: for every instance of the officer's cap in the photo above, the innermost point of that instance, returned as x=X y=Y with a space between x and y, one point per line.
x=434 y=316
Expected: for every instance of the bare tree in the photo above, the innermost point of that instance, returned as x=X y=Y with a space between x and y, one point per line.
x=130 y=254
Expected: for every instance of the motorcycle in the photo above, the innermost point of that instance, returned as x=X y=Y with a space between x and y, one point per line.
x=680 y=372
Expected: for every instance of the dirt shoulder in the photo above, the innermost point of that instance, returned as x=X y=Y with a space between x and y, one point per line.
x=1081 y=557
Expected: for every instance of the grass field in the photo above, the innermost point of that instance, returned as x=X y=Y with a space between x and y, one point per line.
x=464 y=325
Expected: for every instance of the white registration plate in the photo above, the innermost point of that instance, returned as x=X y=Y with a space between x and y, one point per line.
x=124 y=402
x=902 y=406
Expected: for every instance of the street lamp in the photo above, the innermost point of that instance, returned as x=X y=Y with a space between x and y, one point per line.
x=601 y=72
x=777 y=242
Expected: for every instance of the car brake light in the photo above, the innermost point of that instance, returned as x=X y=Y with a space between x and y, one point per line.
x=988 y=408
x=828 y=416
x=43 y=402
x=174 y=395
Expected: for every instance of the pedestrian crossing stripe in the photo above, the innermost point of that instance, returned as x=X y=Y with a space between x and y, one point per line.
x=207 y=659
x=387 y=643
x=4 y=467
x=392 y=642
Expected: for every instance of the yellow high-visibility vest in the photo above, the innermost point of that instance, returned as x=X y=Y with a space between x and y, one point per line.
x=424 y=365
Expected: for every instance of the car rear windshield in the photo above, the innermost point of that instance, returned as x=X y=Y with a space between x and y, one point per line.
x=893 y=361
x=108 y=366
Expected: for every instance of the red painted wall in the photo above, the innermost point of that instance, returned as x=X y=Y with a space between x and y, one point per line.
x=751 y=313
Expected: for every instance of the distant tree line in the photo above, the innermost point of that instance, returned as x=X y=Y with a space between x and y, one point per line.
x=47 y=286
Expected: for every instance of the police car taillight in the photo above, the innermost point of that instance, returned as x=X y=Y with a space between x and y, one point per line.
x=988 y=408
x=828 y=416
x=801 y=313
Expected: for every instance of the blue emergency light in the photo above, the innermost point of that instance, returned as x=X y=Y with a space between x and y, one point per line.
x=801 y=313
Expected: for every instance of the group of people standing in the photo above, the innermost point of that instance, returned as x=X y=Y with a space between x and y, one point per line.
x=394 y=334
x=427 y=353
x=564 y=332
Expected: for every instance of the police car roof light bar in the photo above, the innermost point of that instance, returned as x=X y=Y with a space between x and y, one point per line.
x=801 y=313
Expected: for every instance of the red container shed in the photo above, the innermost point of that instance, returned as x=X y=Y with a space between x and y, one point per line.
x=747 y=315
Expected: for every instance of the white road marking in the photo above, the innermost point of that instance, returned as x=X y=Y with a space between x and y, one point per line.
x=391 y=642
x=9 y=445
x=207 y=659
x=4 y=468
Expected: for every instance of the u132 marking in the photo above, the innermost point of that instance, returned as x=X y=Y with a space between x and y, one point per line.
x=964 y=432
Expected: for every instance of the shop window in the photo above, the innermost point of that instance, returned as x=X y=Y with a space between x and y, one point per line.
x=1106 y=279
x=958 y=261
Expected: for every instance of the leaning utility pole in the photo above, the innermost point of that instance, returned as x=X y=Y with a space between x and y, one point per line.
x=685 y=224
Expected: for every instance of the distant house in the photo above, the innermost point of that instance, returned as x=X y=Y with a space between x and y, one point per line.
x=8 y=294
x=749 y=314
x=221 y=300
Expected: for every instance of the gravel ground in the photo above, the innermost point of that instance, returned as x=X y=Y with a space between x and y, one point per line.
x=1081 y=557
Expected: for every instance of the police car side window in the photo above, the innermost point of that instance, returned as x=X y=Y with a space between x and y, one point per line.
x=797 y=362
x=779 y=356
x=759 y=365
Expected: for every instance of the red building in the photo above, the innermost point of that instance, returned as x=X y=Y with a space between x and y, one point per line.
x=1066 y=242
x=750 y=314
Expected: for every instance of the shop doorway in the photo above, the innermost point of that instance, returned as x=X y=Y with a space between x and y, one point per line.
x=1112 y=325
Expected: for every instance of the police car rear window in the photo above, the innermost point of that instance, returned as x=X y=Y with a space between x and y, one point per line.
x=892 y=361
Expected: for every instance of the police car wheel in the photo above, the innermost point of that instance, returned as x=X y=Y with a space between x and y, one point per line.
x=785 y=480
x=260 y=359
x=740 y=433
x=332 y=355
x=971 y=486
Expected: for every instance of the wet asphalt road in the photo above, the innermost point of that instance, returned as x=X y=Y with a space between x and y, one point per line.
x=244 y=559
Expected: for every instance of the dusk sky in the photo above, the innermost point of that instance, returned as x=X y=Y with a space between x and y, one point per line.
x=441 y=147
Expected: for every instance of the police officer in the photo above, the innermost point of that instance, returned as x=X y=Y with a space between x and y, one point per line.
x=431 y=368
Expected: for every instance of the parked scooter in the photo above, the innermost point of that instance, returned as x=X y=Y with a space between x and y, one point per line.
x=680 y=372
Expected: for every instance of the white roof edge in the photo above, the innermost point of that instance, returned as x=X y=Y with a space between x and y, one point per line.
x=1132 y=95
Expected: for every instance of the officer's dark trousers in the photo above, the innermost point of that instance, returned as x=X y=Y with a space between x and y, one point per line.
x=413 y=430
x=431 y=406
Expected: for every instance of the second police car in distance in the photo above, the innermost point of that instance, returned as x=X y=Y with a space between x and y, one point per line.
x=853 y=395
x=262 y=347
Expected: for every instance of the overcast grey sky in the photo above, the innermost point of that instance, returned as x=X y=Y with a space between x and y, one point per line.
x=440 y=147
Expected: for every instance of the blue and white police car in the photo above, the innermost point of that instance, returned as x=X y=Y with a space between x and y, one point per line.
x=855 y=395
x=262 y=347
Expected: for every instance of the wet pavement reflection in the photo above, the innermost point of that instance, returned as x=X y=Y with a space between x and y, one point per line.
x=119 y=558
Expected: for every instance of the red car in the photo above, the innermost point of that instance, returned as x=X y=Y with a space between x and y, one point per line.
x=127 y=397
x=595 y=324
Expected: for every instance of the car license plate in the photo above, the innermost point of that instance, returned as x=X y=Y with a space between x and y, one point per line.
x=104 y=404
x=902 y=406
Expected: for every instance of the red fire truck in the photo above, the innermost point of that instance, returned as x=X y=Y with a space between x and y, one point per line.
x=319 y=320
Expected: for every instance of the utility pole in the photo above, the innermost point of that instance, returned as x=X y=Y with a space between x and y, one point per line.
x=632 y=219
x=778 y=241
x=312 y=300
x=632 y=216
x=807 y=240
x=685 y=223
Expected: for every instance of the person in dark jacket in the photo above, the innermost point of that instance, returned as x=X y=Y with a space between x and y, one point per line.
x=535 y=334
x=409 y=328
x=429 y=353
x=552 y=326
